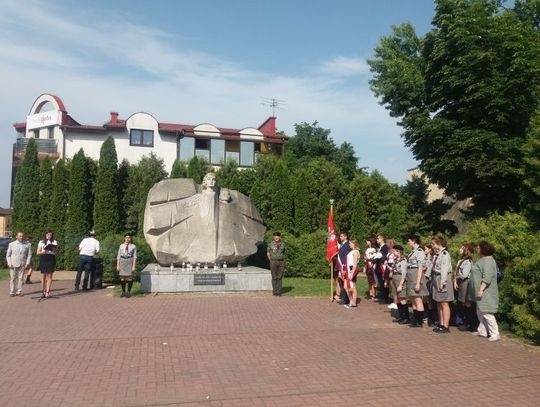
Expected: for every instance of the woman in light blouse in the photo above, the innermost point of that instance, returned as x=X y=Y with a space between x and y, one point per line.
x=46 y=250
x=484 y=290
x=126 y=261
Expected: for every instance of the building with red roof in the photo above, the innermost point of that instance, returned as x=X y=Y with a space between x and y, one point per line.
x=60 y=136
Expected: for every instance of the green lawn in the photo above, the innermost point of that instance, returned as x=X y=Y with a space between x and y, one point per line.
x=4 y=274
x=315 y=287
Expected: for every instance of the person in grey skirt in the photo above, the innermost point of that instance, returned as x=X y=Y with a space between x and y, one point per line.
x=416 y=280
x=126 y=261
x=464 y=307
x=442 y=288
x=398 y=275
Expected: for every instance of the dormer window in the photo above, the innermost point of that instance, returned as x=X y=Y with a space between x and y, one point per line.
x=143 y=138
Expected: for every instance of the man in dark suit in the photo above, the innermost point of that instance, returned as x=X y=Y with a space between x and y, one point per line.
x=380 y=265
x=344 y=250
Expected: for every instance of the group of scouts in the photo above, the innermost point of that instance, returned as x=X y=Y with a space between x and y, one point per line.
x=426 y=280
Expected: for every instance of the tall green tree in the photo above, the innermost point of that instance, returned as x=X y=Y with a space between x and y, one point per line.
x=531 y=172
x=179 y=169
x=79 y=213
x=124 y=171
x=280 y=195
x=464 y=94
x=106 y=198
x=227 y=173
x=57 y=211
x=312 y=141
x=45 y=182
x=26 y=209
x=197 y=169
x=360 y=228
x=148 y=171
x=302 y=201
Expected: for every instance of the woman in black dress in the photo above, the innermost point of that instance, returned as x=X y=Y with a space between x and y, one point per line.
x=46 y=250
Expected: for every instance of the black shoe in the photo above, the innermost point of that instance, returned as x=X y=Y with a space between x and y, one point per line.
x=77 y=288
x=128 y=294
x=123 y=294
x=404 y=321
x=415 y=324
x=442 y=330
x=397 y=320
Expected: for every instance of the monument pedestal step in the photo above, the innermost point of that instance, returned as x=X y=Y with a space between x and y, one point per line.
x=160 y=279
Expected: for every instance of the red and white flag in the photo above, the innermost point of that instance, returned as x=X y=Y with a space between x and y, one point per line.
x=331 y=241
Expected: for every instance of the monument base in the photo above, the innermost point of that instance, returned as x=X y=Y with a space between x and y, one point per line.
x=158 y=279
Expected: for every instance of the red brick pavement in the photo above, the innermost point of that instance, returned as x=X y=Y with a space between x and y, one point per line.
x=91 y=349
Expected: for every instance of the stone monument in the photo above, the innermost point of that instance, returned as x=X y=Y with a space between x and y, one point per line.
x=204 y=227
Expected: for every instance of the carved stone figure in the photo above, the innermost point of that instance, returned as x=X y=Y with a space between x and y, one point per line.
x=187 y=222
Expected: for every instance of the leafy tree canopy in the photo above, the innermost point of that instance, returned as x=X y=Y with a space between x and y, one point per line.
x=465 y=93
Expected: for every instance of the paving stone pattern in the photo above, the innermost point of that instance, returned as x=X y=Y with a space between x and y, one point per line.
x=92 y=349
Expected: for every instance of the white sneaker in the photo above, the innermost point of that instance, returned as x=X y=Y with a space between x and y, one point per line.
x=476 y=333
x=392 y=306
x=494 y=338
x=347 y=306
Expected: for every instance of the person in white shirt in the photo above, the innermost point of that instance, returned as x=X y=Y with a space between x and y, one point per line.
x=18 y=257
x=88 y=248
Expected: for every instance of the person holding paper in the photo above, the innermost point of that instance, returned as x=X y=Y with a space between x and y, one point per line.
x=46 y=250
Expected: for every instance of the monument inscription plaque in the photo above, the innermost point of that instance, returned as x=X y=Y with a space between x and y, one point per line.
x=209 y=279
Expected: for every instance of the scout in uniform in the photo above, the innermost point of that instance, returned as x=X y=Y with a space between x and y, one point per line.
x=442 y=289
x=461 y=286
x=398 y=275
x=416 y=280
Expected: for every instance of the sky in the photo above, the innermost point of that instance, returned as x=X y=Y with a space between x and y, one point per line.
x=207 y=61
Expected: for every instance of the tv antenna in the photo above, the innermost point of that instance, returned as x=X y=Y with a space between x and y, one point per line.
x=273 y=103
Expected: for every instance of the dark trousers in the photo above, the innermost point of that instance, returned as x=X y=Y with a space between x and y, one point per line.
x=277 y=267
x=86 y=263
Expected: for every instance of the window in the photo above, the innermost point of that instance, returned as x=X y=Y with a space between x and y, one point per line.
x=36 y=133
x=217 y=152
x=50 y=132
x=247 y=150
x=186 y=148
x=232 y=150
x=202 y=148
x=257 y=151
x=144 y=138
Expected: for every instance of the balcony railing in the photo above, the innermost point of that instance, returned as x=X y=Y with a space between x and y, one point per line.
x=44 y=146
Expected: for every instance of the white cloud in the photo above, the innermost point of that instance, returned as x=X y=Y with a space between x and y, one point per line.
x=343 y=66
x=114 y=65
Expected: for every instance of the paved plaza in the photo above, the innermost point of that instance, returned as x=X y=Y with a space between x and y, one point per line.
x=93 y=349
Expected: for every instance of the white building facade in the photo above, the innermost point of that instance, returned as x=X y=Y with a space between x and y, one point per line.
x=60 y=136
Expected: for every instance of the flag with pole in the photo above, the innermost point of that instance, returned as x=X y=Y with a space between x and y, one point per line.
x=331 y=241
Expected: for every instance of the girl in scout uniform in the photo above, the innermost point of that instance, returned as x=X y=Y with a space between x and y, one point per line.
x=442 y=288
x=398 y=274
x=461 y=286
x=416 y=280
x=431 y=305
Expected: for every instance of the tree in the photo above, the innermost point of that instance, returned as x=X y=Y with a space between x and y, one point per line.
x=428 y=215
x=179 y=169
x=464 y=94
x=197 y=169
x=79 y=213
x=57 y=210
x=147 y=172
x=26 y=210
x=280 y=195
x=106 y=198
x=227 y=173
x=530 y=197
x=124 y=171
x=359 y=229
x=312 y=141
x=45 y=183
